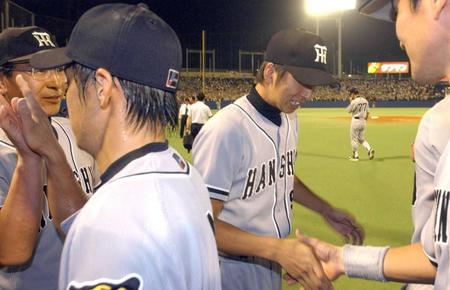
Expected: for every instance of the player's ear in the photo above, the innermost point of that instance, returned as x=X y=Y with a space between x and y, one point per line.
x=437 y=7
x=269 y=73
x=103 y=85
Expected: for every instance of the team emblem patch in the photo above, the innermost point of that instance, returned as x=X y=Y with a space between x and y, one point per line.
x=172 y=79
x=129 y=282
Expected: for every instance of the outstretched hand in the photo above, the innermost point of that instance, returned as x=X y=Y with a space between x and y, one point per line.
x=298 y=259
x=346 y=225
x=330 y=256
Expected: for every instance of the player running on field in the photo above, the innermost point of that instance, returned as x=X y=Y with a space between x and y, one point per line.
x=359 y=108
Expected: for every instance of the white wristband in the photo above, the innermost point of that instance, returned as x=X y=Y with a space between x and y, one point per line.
x=364 y=262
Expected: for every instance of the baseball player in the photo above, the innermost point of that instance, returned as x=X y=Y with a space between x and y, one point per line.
x=428 y=261
x=183 y=115
x=198 y=115
x=149 y=224
x=359 y=108
x=246 y=155
x=30 y=252
x=432 y=137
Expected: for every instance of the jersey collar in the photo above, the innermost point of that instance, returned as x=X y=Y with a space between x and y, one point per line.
x=271 y=113
x=123 y=161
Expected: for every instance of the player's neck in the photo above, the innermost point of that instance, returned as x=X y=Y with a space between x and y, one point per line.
x=265 y=95
x=121 y=140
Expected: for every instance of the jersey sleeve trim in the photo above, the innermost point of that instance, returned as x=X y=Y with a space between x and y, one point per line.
x=217 y=193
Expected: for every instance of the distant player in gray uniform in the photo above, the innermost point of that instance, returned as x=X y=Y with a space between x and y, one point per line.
x=427 y=261
x=149 y=224
x=432 y=137
x=359 y=108
x=30 y=252
x=246 y=155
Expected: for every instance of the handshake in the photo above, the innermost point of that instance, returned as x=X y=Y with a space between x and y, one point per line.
x=326 y=262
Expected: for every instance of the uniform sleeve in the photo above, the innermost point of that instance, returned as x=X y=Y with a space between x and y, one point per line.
x=209 y=112
x=217 y=154
x=7 y=166
x=350 y=107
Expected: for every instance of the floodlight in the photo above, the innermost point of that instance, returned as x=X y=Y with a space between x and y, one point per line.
x=320 y=7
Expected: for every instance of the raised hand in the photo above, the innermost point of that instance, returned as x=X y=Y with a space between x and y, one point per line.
x=345 y=225
x=330 y=256
x=36 y=127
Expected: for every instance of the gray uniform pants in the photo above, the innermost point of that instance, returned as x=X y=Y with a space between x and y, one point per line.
x=357 y=129
x=249 y=273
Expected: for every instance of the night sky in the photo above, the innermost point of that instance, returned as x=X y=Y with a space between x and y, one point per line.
x=234 y=24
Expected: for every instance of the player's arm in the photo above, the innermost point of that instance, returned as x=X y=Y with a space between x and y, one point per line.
x=295 y=257
x=65 y=196
x=401 y=264
x=20 y=214
x=341 y=221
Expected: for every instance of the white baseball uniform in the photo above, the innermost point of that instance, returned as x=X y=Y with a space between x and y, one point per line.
x=148 y=226
x=41 y=272
x=246 y=155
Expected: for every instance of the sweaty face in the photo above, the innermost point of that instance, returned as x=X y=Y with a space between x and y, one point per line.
x=48 y=86
x=288 y=94
x=419 y=34
x=85 y=118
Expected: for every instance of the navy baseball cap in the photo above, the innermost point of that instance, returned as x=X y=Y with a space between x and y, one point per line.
x=17 y=44
x=379 y=9
x=353 y=91
x=304 y=55
x=130 y=41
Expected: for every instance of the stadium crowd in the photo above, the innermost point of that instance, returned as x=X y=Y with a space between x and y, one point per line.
x=373 y=89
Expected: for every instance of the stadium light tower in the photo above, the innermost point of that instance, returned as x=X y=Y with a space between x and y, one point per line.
x=318 y=8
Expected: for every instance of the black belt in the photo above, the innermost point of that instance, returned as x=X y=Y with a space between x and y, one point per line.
x=357 y=118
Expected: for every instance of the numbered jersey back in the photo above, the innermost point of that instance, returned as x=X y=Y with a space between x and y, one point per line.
x=359 y=107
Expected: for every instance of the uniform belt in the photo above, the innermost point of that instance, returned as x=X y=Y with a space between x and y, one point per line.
x=356 y=118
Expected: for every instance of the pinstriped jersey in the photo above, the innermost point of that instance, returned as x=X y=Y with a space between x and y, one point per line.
x=247 y=161
x=435 y=235
x=148 y=226
x=42 y=271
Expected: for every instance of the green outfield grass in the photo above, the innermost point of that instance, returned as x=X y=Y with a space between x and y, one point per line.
x=377 y=192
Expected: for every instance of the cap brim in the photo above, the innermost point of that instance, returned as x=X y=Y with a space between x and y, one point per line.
x=22 y=58
x=378 y=9
x=52 y=58
x=311 y=76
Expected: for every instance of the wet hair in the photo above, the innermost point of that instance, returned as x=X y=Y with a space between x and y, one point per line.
x=145 y=106
x=280 y=69
x=6 y=69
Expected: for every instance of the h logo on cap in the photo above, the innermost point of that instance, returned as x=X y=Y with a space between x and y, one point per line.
x=321 y=53
x=43 y=38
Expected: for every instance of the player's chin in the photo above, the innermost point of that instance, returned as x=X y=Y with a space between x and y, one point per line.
x=51 y=109
x=291 y=107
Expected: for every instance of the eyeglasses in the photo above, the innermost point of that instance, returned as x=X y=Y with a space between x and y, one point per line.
x=40 y=75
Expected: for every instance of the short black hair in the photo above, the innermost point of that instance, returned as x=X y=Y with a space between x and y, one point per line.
x=200 y=96
x=146 y=106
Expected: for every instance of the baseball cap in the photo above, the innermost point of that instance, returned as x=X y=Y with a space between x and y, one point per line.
x=130 y=41
x=379 y=9
x=19 y=43
x=304 y=55
x=353 y=91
